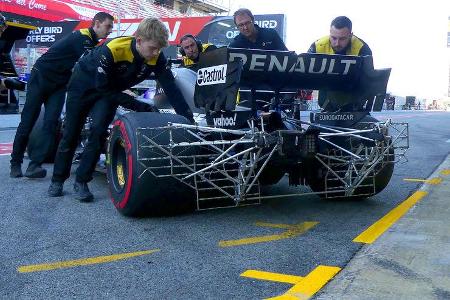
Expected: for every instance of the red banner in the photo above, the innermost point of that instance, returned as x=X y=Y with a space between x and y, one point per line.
x=50 y=10
x=177 y=27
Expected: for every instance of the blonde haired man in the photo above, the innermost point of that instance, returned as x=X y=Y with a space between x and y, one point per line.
x=97 y=86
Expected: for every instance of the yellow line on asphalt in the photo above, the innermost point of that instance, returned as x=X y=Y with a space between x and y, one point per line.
x=82 y=262
x=434 y=181
x=378 y=228
x=269 y=276
x=445 y=172
x=280 y=226
x=304 y=287
x=292 y=231
x=311 y=284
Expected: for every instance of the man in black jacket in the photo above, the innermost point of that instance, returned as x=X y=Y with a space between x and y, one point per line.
x=251 y=36
x=47 y=85
x=97 y=86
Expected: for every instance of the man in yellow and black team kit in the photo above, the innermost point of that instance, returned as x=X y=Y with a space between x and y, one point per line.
x=340 y=41
x=96 y=88
x=47 y=85
x=190 y=49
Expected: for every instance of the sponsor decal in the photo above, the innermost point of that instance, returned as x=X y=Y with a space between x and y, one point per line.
x=30 y=4
x=336 y=117
x=46 y=34
x=225 y=121
x=267 y=23
x=167 y=111
x=280 y=63
x=212 y=75
x=263 y=22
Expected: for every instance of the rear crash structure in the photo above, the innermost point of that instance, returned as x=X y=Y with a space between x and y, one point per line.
x=159 y=162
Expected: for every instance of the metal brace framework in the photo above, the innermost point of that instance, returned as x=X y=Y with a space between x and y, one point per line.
x=223 y=165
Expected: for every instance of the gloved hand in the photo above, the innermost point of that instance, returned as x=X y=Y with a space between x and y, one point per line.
x=191 y=119
x=14 y=84
x=144 y=107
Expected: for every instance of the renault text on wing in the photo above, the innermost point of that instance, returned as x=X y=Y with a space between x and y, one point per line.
x=285 y=62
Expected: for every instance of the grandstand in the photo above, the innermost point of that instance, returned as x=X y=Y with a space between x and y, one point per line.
x=129 y=9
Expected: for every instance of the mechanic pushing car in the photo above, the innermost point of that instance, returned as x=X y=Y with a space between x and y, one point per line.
x=47 y=85
x=340 y=41
x=190 y=49
x=96 y=88
x=252 y=36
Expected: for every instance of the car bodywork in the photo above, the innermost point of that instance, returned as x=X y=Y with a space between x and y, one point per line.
x=233 y=150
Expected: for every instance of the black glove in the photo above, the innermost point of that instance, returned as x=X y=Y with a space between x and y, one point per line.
x=14 y=84
x=145 y=107
x=129 y=102
x=191 y=119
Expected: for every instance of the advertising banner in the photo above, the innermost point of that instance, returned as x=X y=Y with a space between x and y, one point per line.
x=219 y=31
x=48 y=33
x=50 y=10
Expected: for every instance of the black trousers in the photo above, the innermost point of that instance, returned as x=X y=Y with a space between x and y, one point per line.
x=52 y=95
x=79 y=105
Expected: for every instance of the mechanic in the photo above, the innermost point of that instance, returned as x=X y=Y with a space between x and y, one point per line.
x=251 y=36
x=190 y=49
x=47 y=85
x=340 y=41
x=96 y=87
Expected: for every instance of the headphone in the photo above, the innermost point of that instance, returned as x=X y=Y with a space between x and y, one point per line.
x=198 y=42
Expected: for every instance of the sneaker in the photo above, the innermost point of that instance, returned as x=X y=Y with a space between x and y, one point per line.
x=16 y=171
x=82 y=192
x=35 y=171
x=55 y=189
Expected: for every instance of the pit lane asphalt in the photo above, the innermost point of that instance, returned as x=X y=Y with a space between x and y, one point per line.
x=189 y=265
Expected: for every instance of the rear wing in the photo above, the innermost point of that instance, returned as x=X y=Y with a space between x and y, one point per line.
x=223 y=71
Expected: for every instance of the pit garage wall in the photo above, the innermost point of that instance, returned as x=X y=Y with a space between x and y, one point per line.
x=217 y=30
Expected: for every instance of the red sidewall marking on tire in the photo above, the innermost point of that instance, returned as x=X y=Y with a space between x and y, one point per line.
x=123 y=202
x=6 y=148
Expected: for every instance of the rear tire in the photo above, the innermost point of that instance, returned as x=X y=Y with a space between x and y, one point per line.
x=133 y=191
x=381 y=178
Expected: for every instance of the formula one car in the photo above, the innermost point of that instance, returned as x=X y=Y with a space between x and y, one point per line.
x=157 y=162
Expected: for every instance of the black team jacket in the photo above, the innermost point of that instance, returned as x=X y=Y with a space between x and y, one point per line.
x=57 y=63
x=116 y=66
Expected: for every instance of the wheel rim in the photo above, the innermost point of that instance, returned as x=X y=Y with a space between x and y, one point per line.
x=119 y=165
